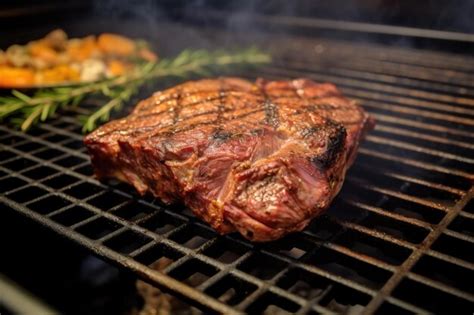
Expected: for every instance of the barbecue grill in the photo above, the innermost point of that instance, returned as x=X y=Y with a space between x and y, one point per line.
x=397 y=239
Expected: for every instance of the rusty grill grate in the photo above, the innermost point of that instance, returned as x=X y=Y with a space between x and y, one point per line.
x=398 y=239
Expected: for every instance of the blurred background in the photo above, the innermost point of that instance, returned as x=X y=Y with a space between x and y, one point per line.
x=333 y=17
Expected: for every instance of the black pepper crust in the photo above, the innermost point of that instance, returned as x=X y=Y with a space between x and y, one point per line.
x=335 y=145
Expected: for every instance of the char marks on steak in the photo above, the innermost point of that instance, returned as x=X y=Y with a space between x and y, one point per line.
x=261 y=158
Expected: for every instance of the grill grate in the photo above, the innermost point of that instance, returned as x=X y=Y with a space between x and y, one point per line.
x=401 y=228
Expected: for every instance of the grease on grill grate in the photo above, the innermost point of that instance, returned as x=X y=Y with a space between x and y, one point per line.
x=402 y=223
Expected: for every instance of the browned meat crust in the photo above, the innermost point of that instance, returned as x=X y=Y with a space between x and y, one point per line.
x=261 y=158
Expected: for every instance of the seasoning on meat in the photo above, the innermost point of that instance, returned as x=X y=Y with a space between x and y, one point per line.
x=259 y=158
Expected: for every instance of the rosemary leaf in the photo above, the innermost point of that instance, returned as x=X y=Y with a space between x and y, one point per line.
x=25 y=111
x=32 y=118
x=45 y=112
x=10 y=108
x=25 y=98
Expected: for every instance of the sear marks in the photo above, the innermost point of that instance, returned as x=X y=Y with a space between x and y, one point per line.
x=335 y=145
x=259 y=158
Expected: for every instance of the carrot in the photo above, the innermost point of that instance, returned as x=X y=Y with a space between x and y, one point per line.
x=3 y=57
x=16 y=77
x=41 y=50
x=116 y=67
x=58 y=74
x=82 y=49
x=147 y=54
x=116 y=45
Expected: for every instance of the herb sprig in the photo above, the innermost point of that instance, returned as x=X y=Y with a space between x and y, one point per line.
x=25 y=111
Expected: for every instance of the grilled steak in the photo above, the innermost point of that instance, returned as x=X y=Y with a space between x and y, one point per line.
x=261 y=158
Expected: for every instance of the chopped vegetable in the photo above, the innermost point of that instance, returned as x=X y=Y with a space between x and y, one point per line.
x=115 y=68
x=16 y=77
x=57 y=39
x=147 y=54
x=82 y=49
x=58 y=74
x=116 y=45
x=27 y=110
x=56 y=59
x=92 y=70
x=41 y=50
x=3 y=58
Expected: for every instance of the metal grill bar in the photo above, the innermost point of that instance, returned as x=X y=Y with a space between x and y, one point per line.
x=391 y=215
x=414 y=180
x=170 y=284
x=430 y=90
x=344 y=56
x=409 y=123
x=314 y=23
x=433 y=100
x=399 y=131
x=451 y=259
x=366 y=99
x=419 y=67
x=406 y=306
x=416 y=255
x=415 y=148
x=426 y=166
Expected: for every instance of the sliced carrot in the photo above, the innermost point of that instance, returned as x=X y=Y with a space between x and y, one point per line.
x=147 y=54
x=116 y=67
x=58 y=74
x=41 y=50
x=116 y=44
x=16 y=77
x=82 y=49
x=56 y=59
x=3 y=57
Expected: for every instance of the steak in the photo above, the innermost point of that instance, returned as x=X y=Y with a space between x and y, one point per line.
x=259 y=158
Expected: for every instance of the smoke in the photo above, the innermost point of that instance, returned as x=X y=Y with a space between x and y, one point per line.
x=457 y=16
x=132 y=17
x=212 y=23
x=159 y=22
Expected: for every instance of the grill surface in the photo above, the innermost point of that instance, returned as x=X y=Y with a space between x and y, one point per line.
x=398 y=239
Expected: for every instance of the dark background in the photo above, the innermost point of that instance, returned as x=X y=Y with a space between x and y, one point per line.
x=450 y=15
x=60 y=273
x=31 y=19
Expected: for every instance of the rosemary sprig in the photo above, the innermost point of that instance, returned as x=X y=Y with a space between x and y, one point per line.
x=26 y=110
